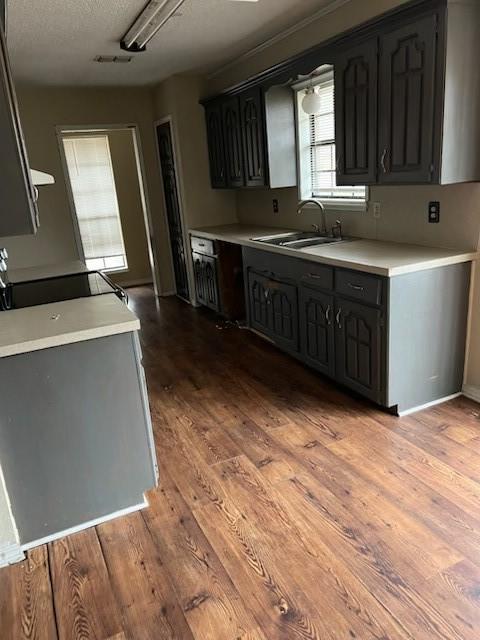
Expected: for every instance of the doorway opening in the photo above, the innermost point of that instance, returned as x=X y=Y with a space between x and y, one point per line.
x=106 y=188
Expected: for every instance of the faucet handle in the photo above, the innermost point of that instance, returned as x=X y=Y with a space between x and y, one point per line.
x=337 y=227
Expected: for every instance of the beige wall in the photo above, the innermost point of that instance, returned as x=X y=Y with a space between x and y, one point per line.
x=179 y=97
x=41 y=110
x=130 y=206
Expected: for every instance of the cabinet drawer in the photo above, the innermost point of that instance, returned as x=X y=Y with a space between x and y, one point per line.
x=203 y=245
x=361 y=286
x=317 y=276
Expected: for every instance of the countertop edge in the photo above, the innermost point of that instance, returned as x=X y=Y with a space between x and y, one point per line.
x=70 y=337
x=389 y=272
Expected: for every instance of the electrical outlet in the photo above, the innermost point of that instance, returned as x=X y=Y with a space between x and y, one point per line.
x=275 y=205
x=376 y=209
x=434 y=211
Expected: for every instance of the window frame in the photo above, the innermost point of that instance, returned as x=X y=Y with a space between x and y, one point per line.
x=77 y=132
x=304 y=174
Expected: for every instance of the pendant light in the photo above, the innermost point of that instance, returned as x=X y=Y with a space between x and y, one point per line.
x=311 y=101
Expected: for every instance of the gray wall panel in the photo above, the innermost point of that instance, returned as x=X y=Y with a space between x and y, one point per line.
x=427 y=334
x=74 y=438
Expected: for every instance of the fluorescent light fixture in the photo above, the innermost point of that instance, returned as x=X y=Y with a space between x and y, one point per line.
x=155 y=14
x=149 y=22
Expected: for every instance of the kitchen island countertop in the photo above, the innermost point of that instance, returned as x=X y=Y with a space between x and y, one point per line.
x=59 y=323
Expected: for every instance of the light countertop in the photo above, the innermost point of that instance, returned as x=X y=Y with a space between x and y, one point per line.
x=371 y=256
x=59 y=323
x=44 y=271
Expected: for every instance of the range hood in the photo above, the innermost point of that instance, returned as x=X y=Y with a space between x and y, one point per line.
x=40 y=178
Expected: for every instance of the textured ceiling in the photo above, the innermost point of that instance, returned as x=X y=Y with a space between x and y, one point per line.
x=54 y=41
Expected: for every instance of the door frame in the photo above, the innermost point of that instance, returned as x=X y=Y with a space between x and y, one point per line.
x=169 y=119
x=142 y=182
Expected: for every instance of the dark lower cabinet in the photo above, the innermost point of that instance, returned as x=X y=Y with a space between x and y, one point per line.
x=384 y=338
x=358 y=347
x=206 y=284
x=317 y=335
x=273 y=307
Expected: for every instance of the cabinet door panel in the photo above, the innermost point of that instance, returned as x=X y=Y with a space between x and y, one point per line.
x=358 y=346
x=356 y=114
x=257 y=302
x=253 y=130
x=206 y=285
x=19 y=214
x=273 y=309
x=317 y=335
x=283 y=305
x=407 y=102
x=211 y=285
x=233 y=143
x=216 y=148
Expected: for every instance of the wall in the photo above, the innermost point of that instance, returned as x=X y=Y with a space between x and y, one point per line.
x=127 y=185
x=179 y=97
x=41 y=110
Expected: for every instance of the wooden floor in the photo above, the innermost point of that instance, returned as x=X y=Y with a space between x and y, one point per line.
x=287 y=509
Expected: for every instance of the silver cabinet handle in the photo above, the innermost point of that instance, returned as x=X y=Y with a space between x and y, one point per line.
x=328 y=316
x=382 y=160
x=357 y=287
x=338 y=318
x=315 y=276
x=338 y=164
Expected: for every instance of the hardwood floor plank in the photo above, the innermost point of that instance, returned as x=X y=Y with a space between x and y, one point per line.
x=210 y=602
x=287 y=509
x=84 y=604
x=351 y=609
x=148 y=604
x=457 y=527
x=26 y=606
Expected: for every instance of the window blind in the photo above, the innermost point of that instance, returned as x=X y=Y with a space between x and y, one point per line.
x=92 y=182
x=322 y=151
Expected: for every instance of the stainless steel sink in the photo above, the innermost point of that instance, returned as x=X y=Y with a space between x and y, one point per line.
x=297 y=240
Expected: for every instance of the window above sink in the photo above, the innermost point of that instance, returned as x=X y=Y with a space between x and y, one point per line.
x=317 y=151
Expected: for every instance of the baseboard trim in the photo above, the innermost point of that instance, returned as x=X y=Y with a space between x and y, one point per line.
x=427 y=405
x=10 y=554
x=472 y=392
x=85 y=525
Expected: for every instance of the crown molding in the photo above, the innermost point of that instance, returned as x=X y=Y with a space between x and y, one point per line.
x=330 y=8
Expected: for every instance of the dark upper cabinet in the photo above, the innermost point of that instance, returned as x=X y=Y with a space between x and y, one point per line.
x=255 y=146
x=358 y=347
x=356 y=114
x=253 y=132
x=317 y=334
x=407 y=67
x=18 y=207
x=216 y=148
x=232 y=135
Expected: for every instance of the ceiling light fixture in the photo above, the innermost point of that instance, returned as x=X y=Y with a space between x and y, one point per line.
x=155 y=14
x=311 y=102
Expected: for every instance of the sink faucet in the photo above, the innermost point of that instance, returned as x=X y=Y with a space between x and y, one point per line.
x=303 y=203
x=3 y=268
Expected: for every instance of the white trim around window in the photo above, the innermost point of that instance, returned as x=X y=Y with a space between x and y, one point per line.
x=316 y=151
